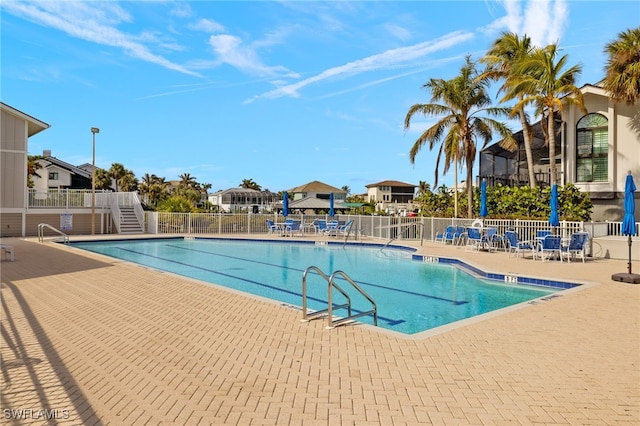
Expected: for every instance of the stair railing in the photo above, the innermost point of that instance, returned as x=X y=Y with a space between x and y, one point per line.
x=42 y=226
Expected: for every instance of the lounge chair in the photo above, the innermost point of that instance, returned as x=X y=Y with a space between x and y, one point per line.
x=459 y=234
x=8 y=251
x=442 y=236
x=320 y=225
x=550 y=246
x=331 y=226
x=515 y=246
x=576 y=246
x=341 y=229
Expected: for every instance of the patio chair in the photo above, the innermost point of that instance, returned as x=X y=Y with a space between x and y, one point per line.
x=321 y=225
x=491 y=239
x=550 y=246
x=293 y=227
x=440 y=236
x=459 y=235
x=341 y=229
x=513 y=245
x=272 y=228
x=576 y=246
x=474 y=239
x=8 y=251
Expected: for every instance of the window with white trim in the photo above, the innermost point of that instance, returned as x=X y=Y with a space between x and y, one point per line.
x=592 y=148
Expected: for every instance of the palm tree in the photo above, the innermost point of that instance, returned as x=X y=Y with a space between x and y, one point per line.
x=423 y=187
x=154 y=187
x=128 y=182
x=117 y=172
x=250 y=184
x=622 y=80
x=346 y=189
x=464 y=99
x=187 y=181
x=502 y=59
x=546 y=84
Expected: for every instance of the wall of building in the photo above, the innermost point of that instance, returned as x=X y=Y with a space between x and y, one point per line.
x=13 y=155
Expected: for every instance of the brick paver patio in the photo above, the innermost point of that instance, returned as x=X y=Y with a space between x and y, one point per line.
x=91 y=340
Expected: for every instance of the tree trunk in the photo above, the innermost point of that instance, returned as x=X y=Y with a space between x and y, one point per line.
x=470 y=189
x=526 y=134
x=455 y=191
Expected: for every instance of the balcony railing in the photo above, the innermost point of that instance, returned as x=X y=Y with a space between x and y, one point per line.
x=67 y=198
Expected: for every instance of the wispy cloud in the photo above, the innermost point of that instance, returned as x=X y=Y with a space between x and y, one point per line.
x=385 y=60
x=544 y=21
x=94 y=22
x=232 y=50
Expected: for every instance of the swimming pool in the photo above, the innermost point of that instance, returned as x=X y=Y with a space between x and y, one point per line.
x=411 y=296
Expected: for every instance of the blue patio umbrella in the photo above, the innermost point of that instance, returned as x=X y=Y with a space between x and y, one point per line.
x=331 y=209
x=285 y=204
x=629 y=220
x=483 y=199
x=554 y=217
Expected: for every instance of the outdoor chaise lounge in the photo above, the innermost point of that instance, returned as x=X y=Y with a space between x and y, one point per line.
x=515 y=246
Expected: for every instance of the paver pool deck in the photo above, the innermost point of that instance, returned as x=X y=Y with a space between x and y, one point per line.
x=91 y=340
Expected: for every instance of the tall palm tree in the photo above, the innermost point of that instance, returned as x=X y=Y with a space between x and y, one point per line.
x=464 y=99
x=622 y=80
x=117 y=172
x=423 y=187
x=250 y=184
x=502 y=59
x=346 y=189
x=155 y=188
x=187 y=181
x=547 y=85
x=128 y=182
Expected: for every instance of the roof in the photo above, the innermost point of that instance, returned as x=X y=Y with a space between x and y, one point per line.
x=241 y=190
x=66 y=166
x=390 y=183
x=314 y=203
x=318 y=187
x=34 y=125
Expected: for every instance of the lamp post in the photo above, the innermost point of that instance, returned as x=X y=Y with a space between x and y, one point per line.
x=94 y=130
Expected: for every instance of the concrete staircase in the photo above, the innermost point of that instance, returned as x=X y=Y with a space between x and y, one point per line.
x=129 y=223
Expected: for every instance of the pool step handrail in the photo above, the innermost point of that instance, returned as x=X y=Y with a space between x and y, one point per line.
x=306 y=316
x=400 y=226
x=331 y=285
x=41 y=226
x=333 y=323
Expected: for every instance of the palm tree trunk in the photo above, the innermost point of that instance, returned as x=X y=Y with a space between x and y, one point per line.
x=455 y=191
x=526 y=134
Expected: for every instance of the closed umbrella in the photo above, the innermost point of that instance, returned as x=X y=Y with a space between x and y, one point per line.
x=331 y=209
x=628 y=228
x=483 y=199
x=554 y=217
x=285 y=204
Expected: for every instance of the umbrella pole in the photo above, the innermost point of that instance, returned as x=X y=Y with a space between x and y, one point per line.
x=629 y=254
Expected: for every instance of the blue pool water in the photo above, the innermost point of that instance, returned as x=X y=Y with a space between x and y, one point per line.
x=411 y=296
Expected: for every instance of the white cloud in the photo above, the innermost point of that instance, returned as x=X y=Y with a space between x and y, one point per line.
x=231 y=50
x=398 y=32
x=388 y=59
x=207 y=25
x=94 y=22
x=544 y=21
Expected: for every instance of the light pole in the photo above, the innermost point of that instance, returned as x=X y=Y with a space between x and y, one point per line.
x=94 y=130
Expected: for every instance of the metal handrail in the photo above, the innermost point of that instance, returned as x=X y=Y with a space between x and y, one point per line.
x=41 y=226
x=350 y=317
x=400 y=225
x=306 y=316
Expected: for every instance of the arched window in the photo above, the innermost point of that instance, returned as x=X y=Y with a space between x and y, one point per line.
x=592 y=145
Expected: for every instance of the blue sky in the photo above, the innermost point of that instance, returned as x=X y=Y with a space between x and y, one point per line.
x=279 y=92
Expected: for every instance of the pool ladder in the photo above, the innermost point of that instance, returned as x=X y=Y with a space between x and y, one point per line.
x=42 y=226
x=331 y=285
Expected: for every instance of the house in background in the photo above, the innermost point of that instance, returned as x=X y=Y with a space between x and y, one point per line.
x=392 y=196
x=57 y=174
x=595 y=150
x=243 y=200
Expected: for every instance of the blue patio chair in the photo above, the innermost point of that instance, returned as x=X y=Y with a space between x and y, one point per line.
x=293 y=227
x=576 y=246
x=450 y=235
x=459 y=235
x=515 y=246
x=491 y=239
x=551 y=245
x=272 y=228
x=474 y=239
x=341 y=229
x=440 y=236
x=320 y=225
x=332 y=225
